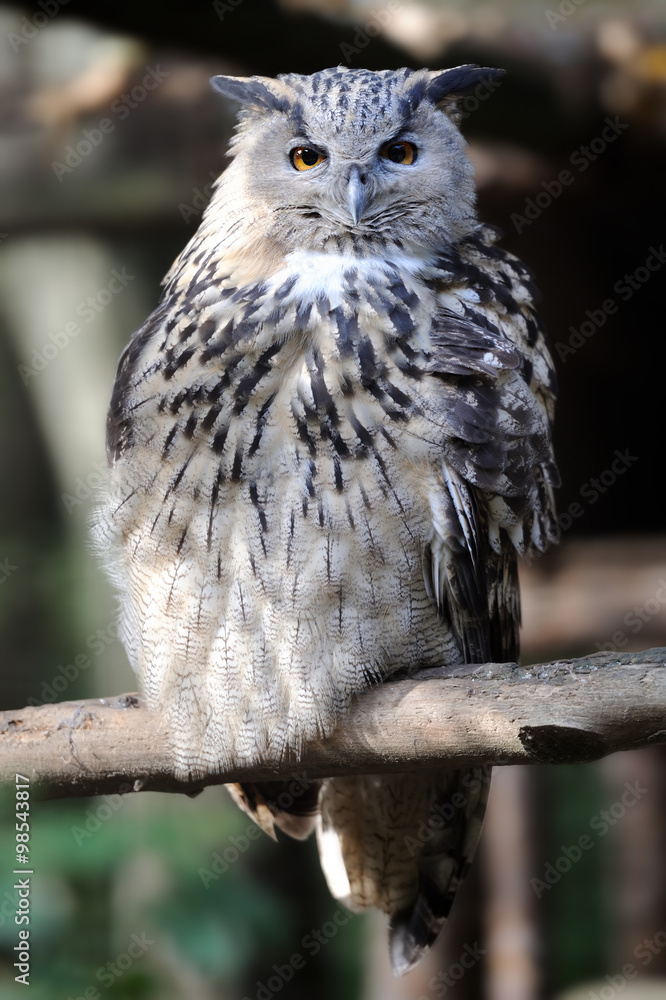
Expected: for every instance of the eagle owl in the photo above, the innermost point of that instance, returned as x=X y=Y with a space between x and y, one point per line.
x=327 y=445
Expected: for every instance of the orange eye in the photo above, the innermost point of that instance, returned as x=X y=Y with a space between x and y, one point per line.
x=399 y=152
x=305 y=157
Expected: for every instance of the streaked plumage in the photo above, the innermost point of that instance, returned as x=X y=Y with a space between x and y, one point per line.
x=327 y=444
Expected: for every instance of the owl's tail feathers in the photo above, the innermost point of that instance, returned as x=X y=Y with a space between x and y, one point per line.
x=402 y=843
x=445 y=861
x=291 y=806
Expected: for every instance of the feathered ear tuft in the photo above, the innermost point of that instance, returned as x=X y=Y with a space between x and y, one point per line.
x=257 y=92
x=454 y=82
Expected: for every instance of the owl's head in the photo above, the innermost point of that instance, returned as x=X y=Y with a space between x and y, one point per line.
x=352 y=159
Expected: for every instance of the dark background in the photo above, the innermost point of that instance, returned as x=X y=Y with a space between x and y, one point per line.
x=132 y=203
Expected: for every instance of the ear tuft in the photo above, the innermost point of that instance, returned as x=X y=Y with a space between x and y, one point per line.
x=251 y=91
x=451 y=83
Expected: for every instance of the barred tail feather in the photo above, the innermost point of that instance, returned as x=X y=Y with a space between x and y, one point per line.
x=445 y=861
x=402 y=843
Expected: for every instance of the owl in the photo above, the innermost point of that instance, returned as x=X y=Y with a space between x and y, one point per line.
x=327 y=445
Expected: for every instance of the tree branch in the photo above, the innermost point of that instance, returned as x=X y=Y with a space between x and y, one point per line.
x=562 y=712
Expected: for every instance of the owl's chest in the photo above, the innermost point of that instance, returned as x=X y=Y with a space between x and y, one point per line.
x=330 y=452
x=310 y=447
x=294 y=424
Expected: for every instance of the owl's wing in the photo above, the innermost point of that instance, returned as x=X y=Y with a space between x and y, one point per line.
x=493 y=493
x=493 y=500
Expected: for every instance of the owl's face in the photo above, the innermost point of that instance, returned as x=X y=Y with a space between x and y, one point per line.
x=351 y=159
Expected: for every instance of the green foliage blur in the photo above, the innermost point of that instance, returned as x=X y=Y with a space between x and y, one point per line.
x=155 y=896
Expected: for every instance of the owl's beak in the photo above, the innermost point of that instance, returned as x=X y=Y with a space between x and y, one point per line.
x=357 y=192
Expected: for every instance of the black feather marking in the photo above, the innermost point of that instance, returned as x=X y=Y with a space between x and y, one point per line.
x=175 y=403
x=304 y=433
x=181 y=540
x=169 y=440
x=531 y=330
x=220 y=439
x=346 y=386
x=187 y=332
x=118 y=424
x=207 y=329
x=214 y=493
x=237 y=467
x=337 y=474
x=350 y=516
x=210 y=418
x=398 y=289
x=254 y=497
x=362 y=433
x=290 y=540
x=309 y=478
x=338 y=443
x=303 y=311
x=321 y=396
x=262 y=417
x=401 y=321
x=348 y=331
x=286 y=287
x=386 y=435
x=175 y=363
x=181 y=472
x=397 y=395
x=249 y=382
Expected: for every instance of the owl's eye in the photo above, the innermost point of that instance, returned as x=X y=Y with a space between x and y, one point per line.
x=399 y=152
x=305 y=157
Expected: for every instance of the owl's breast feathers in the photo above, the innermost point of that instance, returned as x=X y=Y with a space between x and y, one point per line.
x=320 y=478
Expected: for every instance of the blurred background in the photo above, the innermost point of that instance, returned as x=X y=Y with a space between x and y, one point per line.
x=109 y=140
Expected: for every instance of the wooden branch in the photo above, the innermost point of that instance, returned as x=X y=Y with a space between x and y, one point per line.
x=562 y=712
